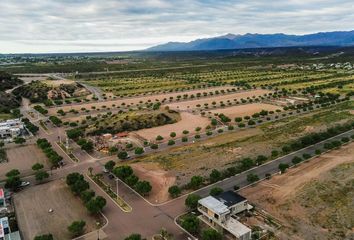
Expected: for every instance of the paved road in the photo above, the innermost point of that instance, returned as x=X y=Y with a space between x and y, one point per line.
x=94 y=90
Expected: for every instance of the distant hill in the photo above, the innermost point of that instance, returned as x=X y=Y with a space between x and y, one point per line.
x=232 y=41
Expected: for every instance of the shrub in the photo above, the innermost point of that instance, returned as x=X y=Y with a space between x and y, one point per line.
x=154 y=146
x=184 y=139
x=159 y=138
x=296 y=160
x=251 y=178
x=195 y=182
x=170 y=142
x=77 y=228
x=174 y=191
x=139 y=150
x=122 y=155
x=283 y=167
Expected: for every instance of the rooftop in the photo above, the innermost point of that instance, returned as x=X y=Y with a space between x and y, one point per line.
x=230 y=198
x=214 y=205
x=236 y=228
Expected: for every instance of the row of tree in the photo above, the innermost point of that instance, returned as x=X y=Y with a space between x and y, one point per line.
x=48 y=150
x=80 y=187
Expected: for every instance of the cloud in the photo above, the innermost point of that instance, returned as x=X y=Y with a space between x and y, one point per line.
x=116 y=25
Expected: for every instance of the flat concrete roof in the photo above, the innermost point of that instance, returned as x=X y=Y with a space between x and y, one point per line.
x=214 y=205
x=236 y=228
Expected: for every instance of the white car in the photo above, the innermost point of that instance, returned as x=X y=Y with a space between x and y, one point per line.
x=105 y=170
x=24 y=184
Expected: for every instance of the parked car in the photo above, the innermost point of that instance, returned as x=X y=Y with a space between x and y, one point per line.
x=111 y=176
x=24 y=184
x=105 y=170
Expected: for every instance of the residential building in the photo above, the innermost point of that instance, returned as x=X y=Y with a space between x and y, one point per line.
x=220 y=213
x=5 y=231
x=2 y=199
x=11 y=128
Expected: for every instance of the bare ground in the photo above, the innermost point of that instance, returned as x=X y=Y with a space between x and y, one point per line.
x=22 y=158
x=57 y=196
x=280 y=196
x=245 y=110
x=159 y=179
x=188 y=122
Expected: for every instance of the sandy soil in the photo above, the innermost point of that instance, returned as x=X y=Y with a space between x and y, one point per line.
x=66 y=209
x=276 y=194
x=134 y=100
x=193 y=103
x=56 y=83
x=245 y=110
x=188 y=122
x=160 y=180
x=22 y=158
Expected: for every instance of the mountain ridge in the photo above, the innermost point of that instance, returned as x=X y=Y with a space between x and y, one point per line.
x=257 y=40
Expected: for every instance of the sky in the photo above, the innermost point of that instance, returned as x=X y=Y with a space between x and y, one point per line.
x=43 y=26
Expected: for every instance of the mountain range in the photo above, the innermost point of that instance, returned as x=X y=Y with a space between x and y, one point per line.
x=233 y=41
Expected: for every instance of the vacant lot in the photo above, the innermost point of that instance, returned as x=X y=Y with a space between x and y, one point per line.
x=66 y=207
x=224 y=150
x=160 y=180
x=193 y=103
x=188 y=122
x=22 y=158
x=245 y=110
x=57 y=83
x=313 y=200
x=133 y=100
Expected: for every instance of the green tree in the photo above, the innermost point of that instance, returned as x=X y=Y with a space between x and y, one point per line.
x=122 y=172
x=40 y=175
x=139 y=150
x=174 y=191
x=37 y=166
x=48 y=236
x=133 y=237
x=110 y=165
x=159 y=138
x=76 y=228
x=191 y=224
x=122 y=155
x=95 y=205
x=211 y=234
x=216 y=191
x=283 y=167
x=132 y=180
x=143 y=187
x=19 y=140
x=173 y=134
x=87 y=195
x=251 y=178
x=192 y=201
x=214 y=176
x=195 y=182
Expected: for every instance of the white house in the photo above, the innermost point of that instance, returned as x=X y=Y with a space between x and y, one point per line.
x=219 y=212
x=11 y=128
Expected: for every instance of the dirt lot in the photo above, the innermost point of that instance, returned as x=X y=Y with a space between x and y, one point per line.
x=313 y=200
x=66 y=209
x=188 y=122
x=56 y=83
x=22 y=158
x=193 y=103
x=245 y=110
x=133 y=100
x=160 y=180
